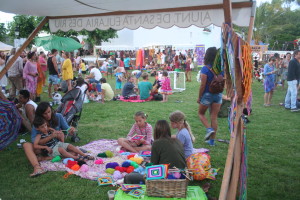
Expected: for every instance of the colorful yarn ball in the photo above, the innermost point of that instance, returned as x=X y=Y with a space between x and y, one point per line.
x=121 y=169
x=177 y=175
x=102 y=155
x=112 y=165
x=137 y=159
x=125 y=153
x=117 y=175
x=84 y=168
x=109 y=154
x=134 y=164
x=149 y=164
x=56 y=159
x=130 y=169
x=130 y=156
x=75 y=167
x=65 y=161
x=140 y=170
x=126 y=164
x=110 y=170
x=121 y=151
x=71 y=163
x=99 y=161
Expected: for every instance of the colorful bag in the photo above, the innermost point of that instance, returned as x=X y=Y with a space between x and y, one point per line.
x=199 y=163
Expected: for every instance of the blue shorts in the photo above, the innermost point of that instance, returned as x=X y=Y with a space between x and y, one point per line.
x=92 y=80
x=208 y=99
x=138 y=75
x=118 y=85
x=53 y=79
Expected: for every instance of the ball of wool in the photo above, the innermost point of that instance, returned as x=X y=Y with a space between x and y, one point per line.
x=177 y=175
x=117 y=175
x=56 y=159
x=130 y=156
x=110 y=170
x=102 y=155
x=84 y=168
x=170 y=176
x=126 y=164
x=138 y=160
x=81 y=162
x=112 y=165
x=120 y=169
x=99 y=161
x=75 y=167
x=121 y=151
x=71 y=163
x=134 y=164
x=130 y=169
x=109 y=154
x=140 y=170
x=65 y=161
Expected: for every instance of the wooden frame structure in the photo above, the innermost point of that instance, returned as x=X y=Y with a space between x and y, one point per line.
x=233 y=161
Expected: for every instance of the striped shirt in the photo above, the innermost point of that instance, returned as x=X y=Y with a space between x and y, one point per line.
x=146 y=131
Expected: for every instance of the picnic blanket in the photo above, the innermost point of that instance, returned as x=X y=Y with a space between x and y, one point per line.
x=138 y=100
x=95 y=170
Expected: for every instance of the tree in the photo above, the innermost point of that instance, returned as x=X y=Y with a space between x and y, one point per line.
x=276 y=24
x=2 y=32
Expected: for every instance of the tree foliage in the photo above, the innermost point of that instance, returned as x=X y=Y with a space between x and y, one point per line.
x=2 y=32
x=277 y=25
x=26 y=24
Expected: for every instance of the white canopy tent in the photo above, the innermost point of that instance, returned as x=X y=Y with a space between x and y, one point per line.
x=5 y=47
x=118 y=14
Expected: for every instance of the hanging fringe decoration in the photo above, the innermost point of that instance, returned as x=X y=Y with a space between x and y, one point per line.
x=247 y=72
x=244 y=168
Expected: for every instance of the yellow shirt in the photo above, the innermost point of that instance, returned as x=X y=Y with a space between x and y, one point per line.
x=109 y=93
x=82 y=66
x=67 y=70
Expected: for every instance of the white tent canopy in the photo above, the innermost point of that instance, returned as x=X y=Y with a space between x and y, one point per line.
x=132 y=14
x=5 y=47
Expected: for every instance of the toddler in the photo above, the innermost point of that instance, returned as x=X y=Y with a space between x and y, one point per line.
x=165 y=89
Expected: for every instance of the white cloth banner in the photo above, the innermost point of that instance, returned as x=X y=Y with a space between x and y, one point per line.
x=183 y=19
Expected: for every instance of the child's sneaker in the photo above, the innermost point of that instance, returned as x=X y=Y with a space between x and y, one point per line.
x=209 y=132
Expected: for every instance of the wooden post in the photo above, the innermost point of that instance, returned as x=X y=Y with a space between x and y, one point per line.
x=227 y=12
x=21 y=49
x=251 y=23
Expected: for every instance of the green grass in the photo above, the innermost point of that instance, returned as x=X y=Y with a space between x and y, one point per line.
x=273 y=137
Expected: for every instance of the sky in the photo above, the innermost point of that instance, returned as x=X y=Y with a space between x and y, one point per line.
x=7 y=17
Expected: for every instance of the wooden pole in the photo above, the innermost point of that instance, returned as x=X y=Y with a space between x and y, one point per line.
x=21 y=49
x=227 y=12
x=251 y=23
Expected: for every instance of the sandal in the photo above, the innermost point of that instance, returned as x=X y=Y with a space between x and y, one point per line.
x=39 y=172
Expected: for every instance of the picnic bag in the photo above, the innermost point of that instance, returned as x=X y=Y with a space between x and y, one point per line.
x=199 y=163
x=217 y=84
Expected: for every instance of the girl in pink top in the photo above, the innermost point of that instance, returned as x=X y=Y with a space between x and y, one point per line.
x=140 y=127
x=30 y=74
x=43 y=63
x=165 y=89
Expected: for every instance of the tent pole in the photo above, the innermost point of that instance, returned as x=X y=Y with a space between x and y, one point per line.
x=21 y=49
x=251 y=23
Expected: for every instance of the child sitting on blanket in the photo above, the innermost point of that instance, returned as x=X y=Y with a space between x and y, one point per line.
x=140 y=127
x=184 y=134
x=52 y=142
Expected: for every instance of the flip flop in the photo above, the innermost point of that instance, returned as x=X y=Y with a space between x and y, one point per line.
x=39 y=172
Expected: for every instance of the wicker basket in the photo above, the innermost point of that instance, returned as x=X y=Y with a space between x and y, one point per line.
x=169 y=188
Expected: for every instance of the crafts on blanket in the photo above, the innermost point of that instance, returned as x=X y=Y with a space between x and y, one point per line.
x=105 y=180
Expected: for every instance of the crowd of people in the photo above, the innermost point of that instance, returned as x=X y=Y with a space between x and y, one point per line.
x=46 y=125
x=276 y=73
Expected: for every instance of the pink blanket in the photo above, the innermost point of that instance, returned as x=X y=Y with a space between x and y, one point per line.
x=94 y=148
x=138 y=100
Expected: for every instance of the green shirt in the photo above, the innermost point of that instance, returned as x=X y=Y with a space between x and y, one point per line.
x=145 y=87
x=165 y=151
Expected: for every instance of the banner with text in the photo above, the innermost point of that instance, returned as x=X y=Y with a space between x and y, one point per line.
x=183 y=19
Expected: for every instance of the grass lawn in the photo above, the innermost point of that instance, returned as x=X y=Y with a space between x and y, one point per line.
x=273 y=136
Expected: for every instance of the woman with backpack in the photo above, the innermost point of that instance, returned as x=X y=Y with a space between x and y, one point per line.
x=210 y=95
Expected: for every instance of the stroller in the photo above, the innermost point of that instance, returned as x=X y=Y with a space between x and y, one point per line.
x=71 y=108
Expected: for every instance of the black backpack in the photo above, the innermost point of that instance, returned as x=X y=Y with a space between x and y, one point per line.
x=217 y=84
